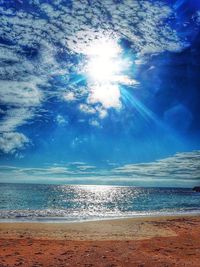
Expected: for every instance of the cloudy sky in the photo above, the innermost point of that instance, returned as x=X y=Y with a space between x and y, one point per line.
x=101 y=92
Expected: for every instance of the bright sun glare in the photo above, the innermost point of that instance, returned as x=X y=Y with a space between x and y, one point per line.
x=105 y=69
x=104 y=64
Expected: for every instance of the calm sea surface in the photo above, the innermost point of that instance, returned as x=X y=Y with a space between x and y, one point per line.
x=28 y=202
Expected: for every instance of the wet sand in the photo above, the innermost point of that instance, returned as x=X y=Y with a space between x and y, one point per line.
x=155 y=241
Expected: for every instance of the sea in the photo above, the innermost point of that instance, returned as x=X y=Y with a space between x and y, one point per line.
x=74 y=203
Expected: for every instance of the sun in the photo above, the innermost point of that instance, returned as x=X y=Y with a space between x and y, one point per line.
x=105 y=70
x=103 y=64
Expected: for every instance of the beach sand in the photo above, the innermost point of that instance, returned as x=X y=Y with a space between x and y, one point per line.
x=152 y=241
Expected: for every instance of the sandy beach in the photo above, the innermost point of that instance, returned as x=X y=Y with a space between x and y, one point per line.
x=152 y=241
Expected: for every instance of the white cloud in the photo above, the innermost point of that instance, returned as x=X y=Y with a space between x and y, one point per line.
x=197 y=17
x=142 y=22
x=11 y=141
x=14 y=118
x=20 y=85
x=106 y=94
x=87 y=109
x=102 y=112
x=57 y=170
x=85 y=167
x=138 y=21
x=18 y=93
x=180 y=166
x=22 y=98
x=180 y=170
x=69 y=96
x=94 y=123
x=61 y=120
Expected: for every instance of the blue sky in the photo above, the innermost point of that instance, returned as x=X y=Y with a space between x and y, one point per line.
x=101 y=92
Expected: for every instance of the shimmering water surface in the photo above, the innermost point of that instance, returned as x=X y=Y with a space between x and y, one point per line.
x=74 y=203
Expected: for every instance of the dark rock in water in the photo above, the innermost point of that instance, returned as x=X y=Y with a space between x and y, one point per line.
x=196 y=188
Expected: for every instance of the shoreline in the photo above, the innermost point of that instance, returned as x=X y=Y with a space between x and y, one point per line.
x=58 y=220
x=152 y=242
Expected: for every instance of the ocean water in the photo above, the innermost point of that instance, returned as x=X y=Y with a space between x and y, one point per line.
x=34 y=202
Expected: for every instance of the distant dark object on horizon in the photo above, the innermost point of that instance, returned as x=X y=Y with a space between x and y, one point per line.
x=196 y=188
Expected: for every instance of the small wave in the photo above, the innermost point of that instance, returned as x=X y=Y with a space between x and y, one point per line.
x=75 y=216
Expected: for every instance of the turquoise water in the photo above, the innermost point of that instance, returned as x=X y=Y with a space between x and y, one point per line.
x=75 y=203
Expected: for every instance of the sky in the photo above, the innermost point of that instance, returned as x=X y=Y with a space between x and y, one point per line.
x=100 y=92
